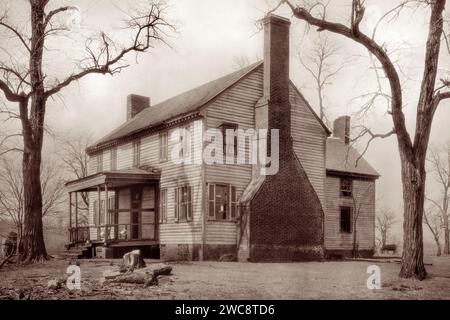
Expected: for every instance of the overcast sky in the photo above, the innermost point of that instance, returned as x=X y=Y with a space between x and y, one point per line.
x=212 y=34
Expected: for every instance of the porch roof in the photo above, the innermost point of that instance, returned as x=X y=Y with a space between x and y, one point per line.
x=114 y=179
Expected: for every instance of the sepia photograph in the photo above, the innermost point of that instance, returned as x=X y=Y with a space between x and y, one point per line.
x=240 y=152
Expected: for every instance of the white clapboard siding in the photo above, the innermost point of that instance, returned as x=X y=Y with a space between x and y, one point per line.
x=364 y=193
x=237 y=105
x=309 y=141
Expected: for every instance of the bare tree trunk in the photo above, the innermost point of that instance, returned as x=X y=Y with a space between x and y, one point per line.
x=33 y=237
x=438 y=247
x=413 y=178
x=446 y=231
x=33 y=133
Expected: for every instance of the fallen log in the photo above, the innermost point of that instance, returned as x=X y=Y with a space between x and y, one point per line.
x=147 y=276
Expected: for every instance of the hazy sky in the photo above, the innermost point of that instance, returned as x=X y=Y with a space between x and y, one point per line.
x=212 y=34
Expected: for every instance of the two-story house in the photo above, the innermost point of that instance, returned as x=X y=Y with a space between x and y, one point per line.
x=163 y=182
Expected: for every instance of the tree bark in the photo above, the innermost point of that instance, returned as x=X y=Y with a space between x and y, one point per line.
x=33 y=132
x=413 y=177
x=445 y=221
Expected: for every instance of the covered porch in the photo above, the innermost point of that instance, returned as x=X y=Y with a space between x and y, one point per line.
x=123 y=208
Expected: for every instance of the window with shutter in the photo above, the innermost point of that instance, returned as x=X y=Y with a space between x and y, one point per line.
x=163 y=146
x=211 y=201
x=136 y=153
x=100 y=162
x=233 y=212
x=177 y=204
x=113 y=155
x=163 y=205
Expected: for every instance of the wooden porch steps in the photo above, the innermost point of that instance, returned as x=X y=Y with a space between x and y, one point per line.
x=78 y=251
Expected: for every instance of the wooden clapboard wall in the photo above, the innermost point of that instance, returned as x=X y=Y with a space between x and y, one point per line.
x=364 y=193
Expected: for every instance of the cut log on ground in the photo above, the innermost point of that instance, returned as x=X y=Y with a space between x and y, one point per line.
x=147 y=276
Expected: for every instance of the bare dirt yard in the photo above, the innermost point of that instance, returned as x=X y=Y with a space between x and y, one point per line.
x=231 y=280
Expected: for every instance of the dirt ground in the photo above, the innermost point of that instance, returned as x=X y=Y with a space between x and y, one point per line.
x=232 y=280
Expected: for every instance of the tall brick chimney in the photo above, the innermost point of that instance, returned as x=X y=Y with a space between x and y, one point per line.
x=284 y=213
x=341 y=129
x=276 y=77
x=136 y=104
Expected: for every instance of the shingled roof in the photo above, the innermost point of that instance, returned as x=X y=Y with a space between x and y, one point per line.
x=182 y=104
x=342 y=158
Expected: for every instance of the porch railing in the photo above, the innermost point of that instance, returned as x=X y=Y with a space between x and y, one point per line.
x=126 y=232
x=114 y=232
x=79 y=234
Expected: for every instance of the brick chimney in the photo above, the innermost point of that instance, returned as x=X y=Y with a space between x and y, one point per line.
x=276 y=77
x=341 y=129
x=136 y=104
x=284 y=212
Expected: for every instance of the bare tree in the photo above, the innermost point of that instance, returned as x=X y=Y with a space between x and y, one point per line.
x=241 y=61
x=383 y=223
x=72 y=152
x=433 y=220
x=412 y=150
x=320 y=60
x=440 y=168
x=12 y=192
x=29 y=86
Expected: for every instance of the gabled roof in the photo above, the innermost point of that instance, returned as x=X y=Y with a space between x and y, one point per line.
x=184 y=104
x=342 y=158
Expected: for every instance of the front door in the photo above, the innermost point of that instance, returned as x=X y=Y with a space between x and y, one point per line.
x=135 y=213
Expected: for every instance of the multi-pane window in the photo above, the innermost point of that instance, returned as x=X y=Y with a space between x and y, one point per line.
x=346 y=187
x=163 y=146
x=346 y=219
x=163 y=205
x=183 y=203
x=222 y=202
x=229 y=139
x=113 y=155
x=136 y=153
x=99 y=162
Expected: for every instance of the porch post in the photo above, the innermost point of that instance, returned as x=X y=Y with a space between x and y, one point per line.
x=106 y=212
x=76 y=216
x=99 y=207
x=70 y=217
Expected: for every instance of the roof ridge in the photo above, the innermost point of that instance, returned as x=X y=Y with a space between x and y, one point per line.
x=239 y=74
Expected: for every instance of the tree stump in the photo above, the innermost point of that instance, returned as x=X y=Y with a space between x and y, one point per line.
x=132 y=260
